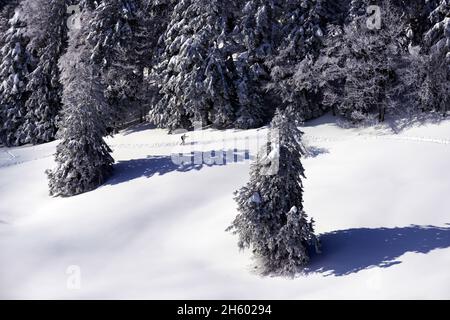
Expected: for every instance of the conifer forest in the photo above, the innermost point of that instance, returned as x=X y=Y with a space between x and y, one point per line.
x=224 y=149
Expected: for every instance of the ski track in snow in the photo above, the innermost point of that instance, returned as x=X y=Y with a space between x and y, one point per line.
x=152 y=231
x=11 y=160
x=375 y=136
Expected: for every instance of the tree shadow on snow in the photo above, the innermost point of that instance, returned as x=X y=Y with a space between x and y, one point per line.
x=350 y=251
x=314 y=152
x=400 y=123
x=394 y=123
x=128 y=170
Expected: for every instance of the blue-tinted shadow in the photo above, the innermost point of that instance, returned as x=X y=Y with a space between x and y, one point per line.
x=128 y=170
x=350 y=251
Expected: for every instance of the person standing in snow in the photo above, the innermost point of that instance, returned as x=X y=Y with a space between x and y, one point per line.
x=183 y=139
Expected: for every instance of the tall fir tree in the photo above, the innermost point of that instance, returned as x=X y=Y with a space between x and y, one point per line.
x=46 y=22
x=356 y=9
x=124 y=34
x=271 y=220
x=302 y=30
x=255 y=35
x=7 y=8
x=15 y=66
x=153 y=18
x=112 y=34
x=361 y=63
x=83 y=160
x=424 y=84
x=437 y=43
x=438 y=21
x=193 y=77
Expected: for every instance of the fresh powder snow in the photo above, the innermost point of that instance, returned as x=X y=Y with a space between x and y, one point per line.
x=155 y=230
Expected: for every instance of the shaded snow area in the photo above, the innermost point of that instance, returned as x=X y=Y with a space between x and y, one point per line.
x=157 y=230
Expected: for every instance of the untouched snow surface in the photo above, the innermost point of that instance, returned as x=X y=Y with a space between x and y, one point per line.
x=381 y=202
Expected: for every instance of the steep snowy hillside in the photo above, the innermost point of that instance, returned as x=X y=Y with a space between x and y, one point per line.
x=157 y=231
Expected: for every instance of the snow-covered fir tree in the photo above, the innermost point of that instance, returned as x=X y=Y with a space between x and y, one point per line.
x=361 y=63
x=325 y=74
x=296 y=239
x=83 y=158
x=416 y=13
x=7 y=8
x=439 y=20
x=15 y=66
x=255 y=34
x=271 y=220
x=194 y=75
x=46 y=22
x=437 y=61
x=302 y=24
x=152 y=20
x=426 y=70
x=356 y=9
x=424 y=84
x=113 y=35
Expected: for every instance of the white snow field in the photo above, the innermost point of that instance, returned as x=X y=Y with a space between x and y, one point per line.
x=381 y=201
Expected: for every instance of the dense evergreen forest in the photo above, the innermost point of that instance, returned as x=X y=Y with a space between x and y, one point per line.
x=79 y=70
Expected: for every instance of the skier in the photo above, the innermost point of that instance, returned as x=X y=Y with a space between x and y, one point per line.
x=183 y=139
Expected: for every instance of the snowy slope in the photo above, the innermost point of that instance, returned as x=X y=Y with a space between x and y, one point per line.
x=153 y=231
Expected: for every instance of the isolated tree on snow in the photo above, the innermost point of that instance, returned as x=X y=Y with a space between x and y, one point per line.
x=83 y=158
x=271 y=220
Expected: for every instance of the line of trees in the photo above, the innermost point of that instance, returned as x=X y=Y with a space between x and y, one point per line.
x=227 y=64
x=224 y=63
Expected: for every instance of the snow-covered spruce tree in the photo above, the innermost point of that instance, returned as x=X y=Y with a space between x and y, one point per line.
x=437 y=43
x=271 y=220
x=152 y=19
x=6 y=12
x=113 y=35
x=356 y=9
x=302 y=25
x=438 y=22
x=326 y=73
x=255 y=36
x=83 y=158
x=363 y=63
x=425 y=83
x=46 y=22
x=7 y=9
x=15 y=65
x=416 y=14
x=194 y=74
x=3 y=3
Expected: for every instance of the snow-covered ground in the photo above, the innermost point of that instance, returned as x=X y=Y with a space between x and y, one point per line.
x=381 y=202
